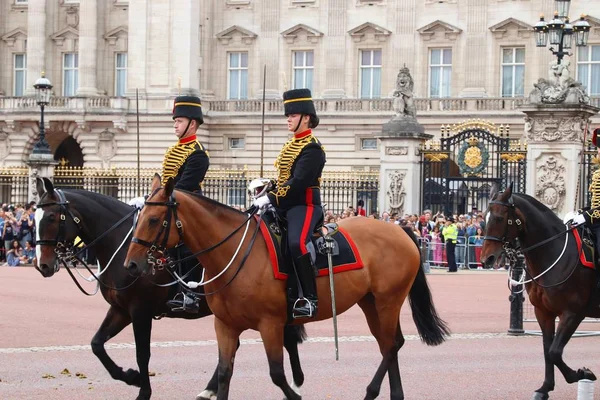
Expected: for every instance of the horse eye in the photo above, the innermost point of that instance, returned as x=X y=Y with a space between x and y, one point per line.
x=153 y=220
x=51 y=218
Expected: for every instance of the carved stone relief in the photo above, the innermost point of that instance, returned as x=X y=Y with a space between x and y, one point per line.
x=550 y=183
x=568 y=129
x=396 y=150
x=396 y=192
x=107 y=145
x=4 y=145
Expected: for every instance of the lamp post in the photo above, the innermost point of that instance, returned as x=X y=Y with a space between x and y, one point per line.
x=43 y=89
x=559 y=31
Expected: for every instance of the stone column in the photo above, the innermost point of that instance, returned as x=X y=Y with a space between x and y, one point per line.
x=137 y=47
x=399 y=175
x=475 y=14
x=88 y=46
x=555 y=143
x=335 y=49
x=185 y=49
x=36 y=43
x=39 y=168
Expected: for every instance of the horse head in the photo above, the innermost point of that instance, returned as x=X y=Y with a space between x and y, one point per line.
x=503 y=221
x=55 y=225
x=157 y=230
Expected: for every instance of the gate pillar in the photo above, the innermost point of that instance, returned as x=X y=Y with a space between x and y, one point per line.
x=400 y=174
x=40 y=165
x=555 y=134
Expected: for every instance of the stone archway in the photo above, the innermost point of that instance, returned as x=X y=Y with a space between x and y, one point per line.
x=68 y=153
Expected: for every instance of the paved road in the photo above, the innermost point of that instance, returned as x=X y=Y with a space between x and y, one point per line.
x=46 y=326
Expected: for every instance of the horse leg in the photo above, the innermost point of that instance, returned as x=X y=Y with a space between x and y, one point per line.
x=113 y=323
x=213 y=385
x=566 y=328
x=396 y=392
x=290 y=342
x=227 y=339
x=271 y=334
x=142 y=329
x=546 y=322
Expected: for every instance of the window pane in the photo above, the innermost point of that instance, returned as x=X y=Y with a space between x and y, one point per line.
x=594 y=88
x=376 y=93
x=519 y=80
x=507 y=56
x=507 y=80
x=377 y=57
x=583 y=71
x=583 y=53
x=68 y=60
x=365 y=57
x=447 y=56
x=308 y=79
x=520 y=56
x=309 y=58
x=298 y=78
x=365 y=83
x=368 y=144
x=244 y=57
x=68 y=84
x=595 y=53
x=234 y=60
x=121 y=60
x=76 y=60
x=434 y=82
x=244 y=84
x=19 y=61
x=436 y=56
x=298 y=59
x=19 y=82
x=121 y=82
x=446 y=81
x=234 y=83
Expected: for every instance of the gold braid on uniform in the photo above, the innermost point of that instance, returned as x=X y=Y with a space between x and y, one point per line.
x=594 y=212
x=175 y=157
x=285 y=161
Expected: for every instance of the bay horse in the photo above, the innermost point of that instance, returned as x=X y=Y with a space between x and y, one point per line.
x=91 y=216
x=557 y=283
x=247 y=295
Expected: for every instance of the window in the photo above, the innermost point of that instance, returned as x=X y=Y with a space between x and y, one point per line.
x=368 y=144
x=370 y=74
x=303 y=69
x=513 y=72
x=238 y=75
x=588 y=68
x=440 y=72
x=236 y=143
x=236 y=192
x=120 y=74
x=20 y=74
x=70 y=73
x=21 y=1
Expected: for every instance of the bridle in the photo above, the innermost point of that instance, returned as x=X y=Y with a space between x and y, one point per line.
x=154 y=247
x=62 y=247
x=513 y=220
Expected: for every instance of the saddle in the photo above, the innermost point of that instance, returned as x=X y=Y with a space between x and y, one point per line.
x=345 y=256
x=585 y=239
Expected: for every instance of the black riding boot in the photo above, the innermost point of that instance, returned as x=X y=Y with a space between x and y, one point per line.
x=306 y=307
x=185 y=301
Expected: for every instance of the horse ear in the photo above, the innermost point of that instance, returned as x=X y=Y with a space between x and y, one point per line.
x=49 y=187
x=508 y=191
x=169 y=187
x=39 y=186
x=494 y=190
x=155 y=183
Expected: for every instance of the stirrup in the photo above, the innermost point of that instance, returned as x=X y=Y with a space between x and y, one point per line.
x=298 y=310
x=186 y=303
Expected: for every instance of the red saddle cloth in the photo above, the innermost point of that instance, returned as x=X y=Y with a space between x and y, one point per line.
x=586 y=253
x=347 y=259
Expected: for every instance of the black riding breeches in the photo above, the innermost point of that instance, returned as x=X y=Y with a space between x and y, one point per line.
x=302 y=221
x=596 y=230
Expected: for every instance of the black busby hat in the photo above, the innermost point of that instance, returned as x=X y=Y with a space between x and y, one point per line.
x=188 y=107
x=451 y=219
x=595 y=137
x=298 y=101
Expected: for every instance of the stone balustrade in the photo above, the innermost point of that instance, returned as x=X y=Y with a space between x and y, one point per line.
x=424 y=106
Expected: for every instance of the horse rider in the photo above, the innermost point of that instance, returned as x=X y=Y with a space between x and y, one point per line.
x=590 y=215
x=186 y=162
x=297 y=195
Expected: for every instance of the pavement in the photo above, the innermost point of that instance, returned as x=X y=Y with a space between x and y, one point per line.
x=46 y=326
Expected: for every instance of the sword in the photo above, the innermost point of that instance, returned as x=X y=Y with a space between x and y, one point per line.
x=329 y=243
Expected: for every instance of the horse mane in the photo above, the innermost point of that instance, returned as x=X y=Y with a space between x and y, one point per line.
x=537 y=205
x=215 y=204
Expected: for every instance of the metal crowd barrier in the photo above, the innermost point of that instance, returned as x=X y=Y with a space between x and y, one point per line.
x=467 y=254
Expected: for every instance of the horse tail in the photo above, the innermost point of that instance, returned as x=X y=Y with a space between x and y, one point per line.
x=432 y=329
x=294 y=334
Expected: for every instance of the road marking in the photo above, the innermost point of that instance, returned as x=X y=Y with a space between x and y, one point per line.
x=206 y=343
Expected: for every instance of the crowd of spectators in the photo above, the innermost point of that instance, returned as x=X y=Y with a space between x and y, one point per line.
x=17 y=228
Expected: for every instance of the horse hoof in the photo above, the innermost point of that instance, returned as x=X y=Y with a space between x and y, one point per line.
x=132 y=377
x=585 y=373
x=206 y=395
x=143 y=397
x=540 y=396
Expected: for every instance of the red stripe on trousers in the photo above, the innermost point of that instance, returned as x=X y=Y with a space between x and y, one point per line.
x=307 y=219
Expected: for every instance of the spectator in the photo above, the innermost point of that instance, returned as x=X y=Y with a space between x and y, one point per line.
x=14 y=254
x=360 y=208
x=25 y=227
x=450 y=233
x=9 y=230
x=436 y=246
x=477 y=242
x=29 y=253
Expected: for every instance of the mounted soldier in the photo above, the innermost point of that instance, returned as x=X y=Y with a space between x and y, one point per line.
x=186 y=162
x=297 y=195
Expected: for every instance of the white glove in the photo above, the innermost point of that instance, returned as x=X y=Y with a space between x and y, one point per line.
x=578 y=220
x=569 y=216
x=137 y=202
x=262 y=202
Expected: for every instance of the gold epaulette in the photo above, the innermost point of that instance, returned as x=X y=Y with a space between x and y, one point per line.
x=595 y=189
x=175 y=157
x=285 y=160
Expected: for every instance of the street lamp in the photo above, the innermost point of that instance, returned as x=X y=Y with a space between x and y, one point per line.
x=43 y=92
x=559 y=32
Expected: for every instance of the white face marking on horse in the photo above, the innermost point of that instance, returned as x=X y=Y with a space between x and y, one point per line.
x=39 y=213
x=487 y=218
